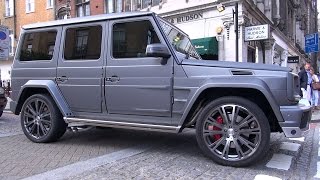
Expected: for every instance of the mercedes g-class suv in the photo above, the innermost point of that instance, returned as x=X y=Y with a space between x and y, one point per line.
x=136 y=70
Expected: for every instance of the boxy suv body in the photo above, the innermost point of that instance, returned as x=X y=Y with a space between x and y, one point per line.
x=135 y=70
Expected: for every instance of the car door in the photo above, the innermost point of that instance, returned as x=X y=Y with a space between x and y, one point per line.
x=136 y=84
x=79 y=72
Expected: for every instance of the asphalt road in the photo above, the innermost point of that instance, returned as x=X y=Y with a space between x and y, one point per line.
x=128 y=154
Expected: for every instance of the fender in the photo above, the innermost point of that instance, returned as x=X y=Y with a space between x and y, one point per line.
x=54 y=91
x=246 y=82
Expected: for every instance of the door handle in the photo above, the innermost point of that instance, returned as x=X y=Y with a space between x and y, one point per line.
x=113 y=79
x=62 y=79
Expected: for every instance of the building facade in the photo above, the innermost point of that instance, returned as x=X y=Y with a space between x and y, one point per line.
x=7 y=19
x=16 y=13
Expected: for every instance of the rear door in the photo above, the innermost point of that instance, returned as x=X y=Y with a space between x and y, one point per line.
x=136 y=84
x=79 y=72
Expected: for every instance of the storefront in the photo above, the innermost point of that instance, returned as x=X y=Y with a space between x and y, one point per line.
x=207 y=48
x=201 y=27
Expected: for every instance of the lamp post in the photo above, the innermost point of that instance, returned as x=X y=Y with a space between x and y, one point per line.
x=236 y=29
x=235 y=16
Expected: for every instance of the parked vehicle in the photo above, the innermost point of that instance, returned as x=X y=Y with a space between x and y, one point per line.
x=136 y=70
x=3 y=100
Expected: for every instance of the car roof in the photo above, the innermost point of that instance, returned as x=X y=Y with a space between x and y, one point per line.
x=86 y=19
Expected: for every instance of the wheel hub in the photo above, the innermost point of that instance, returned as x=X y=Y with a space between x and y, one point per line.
x=231 y=132
x=37 y=120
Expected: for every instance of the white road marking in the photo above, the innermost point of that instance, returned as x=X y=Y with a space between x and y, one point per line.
x=290 y=146
x=318 y=170
x=298 y=139
x=280 y=161
x=82 y=166
x=265 y=177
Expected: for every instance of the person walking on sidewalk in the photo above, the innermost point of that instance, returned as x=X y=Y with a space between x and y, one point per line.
x=315 y=92
x=305 y=81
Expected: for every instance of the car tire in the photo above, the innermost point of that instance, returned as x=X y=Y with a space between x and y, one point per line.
x=41 y=119
x=233 y=131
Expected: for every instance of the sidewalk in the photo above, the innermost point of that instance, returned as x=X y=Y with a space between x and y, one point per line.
x=7 y=108
x=315 y=116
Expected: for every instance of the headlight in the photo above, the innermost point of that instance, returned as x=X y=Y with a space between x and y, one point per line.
x=1 y=90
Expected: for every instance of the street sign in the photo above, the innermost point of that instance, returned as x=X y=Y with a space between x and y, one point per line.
x=253 y=33
x=4 y=42
x=312 y=43
x=293 y=59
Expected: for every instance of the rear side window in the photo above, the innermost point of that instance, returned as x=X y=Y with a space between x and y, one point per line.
x=83 y=43
x=130 y=39
x=38 y=46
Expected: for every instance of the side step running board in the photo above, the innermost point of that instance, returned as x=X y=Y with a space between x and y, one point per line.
x=124 y=125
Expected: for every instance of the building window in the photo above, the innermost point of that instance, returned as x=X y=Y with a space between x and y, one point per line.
x=49 y=3
x=9 y=7
x=83 y=43
x=116 y=6
x=29 y=6
x=38 y=46
x=83 y=8
x=131 y=39
x=62 y=13
x=119 y=6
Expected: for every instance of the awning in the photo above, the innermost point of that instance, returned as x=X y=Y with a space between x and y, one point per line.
x=207 y=45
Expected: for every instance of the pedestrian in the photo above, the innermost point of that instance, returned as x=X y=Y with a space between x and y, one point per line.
x=315 y=92
x=305 y=81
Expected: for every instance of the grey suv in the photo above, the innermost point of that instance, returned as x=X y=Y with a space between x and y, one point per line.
x=137 y=71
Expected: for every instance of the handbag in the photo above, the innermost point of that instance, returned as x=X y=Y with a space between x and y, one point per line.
x=316 y=85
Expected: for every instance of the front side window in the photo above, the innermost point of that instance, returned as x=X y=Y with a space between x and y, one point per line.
x=83 y=43
x=9 y=7
x=180 y=42
x=29 y=6
x=83 y=8
x=130 y=39
x=38 y=46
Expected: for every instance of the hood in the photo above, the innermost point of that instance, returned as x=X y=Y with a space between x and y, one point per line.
x=237 y=65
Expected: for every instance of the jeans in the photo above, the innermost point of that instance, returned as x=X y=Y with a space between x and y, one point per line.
x=315 y=97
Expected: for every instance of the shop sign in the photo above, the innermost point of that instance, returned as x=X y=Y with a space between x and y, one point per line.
x=254 y=33
x=4 y=42
x=186 y=18
x=312 y=43
x=293 y=59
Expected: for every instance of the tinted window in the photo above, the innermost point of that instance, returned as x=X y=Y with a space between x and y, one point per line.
x=131 y=39
x=38 y=46
x=83 y=43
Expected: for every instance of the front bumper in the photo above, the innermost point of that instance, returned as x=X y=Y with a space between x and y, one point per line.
x=296 y=120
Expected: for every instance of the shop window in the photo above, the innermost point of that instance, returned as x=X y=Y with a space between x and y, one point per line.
x=251 y=57
x=83 y=8
x=36 y=46
x=83 y=43
x=131 y=39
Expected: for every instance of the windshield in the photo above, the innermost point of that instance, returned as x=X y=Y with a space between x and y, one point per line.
x=178 y=40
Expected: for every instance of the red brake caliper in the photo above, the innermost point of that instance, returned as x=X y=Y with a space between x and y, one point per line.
x=216 y=136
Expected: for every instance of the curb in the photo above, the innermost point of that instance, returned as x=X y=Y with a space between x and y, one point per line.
x=8 y=111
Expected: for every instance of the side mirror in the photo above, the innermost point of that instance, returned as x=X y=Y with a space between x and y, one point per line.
x=158 y=50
